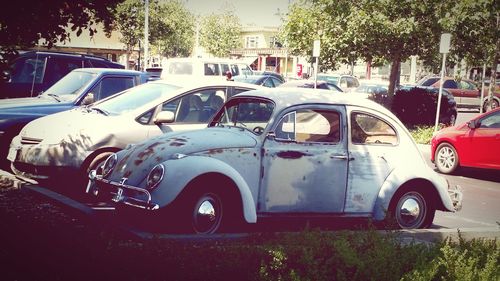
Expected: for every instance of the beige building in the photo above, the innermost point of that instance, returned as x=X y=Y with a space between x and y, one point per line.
x=262 y=51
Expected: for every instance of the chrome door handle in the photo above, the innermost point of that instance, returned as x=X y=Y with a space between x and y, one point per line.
x=341 y=157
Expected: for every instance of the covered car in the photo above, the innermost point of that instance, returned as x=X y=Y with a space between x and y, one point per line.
x=280 y=152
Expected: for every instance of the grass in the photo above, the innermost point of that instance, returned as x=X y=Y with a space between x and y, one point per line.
x=40 y=241
x=422 y=134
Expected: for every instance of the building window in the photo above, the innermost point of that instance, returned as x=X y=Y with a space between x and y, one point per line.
x=273 y=42
x=252 y=42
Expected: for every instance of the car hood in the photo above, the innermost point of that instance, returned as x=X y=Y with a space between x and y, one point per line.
x=69 y=125
x=137 y=161
x=34 y=106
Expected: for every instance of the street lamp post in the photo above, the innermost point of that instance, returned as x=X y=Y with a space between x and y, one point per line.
x=146 y=34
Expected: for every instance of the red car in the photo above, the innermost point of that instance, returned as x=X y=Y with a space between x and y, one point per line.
x=475 y=143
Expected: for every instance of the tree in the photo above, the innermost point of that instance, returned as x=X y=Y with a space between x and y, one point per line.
x=174 y=37
x=475 y=28
x=391 y=30
x=220 y=33
x=24 y=24
x=171 y=26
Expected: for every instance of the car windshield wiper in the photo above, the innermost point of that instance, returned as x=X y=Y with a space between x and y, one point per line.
x=56 y=97
x=99 y=110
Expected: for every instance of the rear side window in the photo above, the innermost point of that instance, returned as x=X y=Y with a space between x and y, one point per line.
x=28 y=70
x=212 y=69
x=58 y=67
x=368 y=129
x=450 y=84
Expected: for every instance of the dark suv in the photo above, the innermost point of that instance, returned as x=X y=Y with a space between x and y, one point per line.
x=34 y=72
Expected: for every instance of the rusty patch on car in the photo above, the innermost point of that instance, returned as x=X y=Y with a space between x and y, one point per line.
x=148 y=151
x=292 y=154
x=177 y=142
x=127 y=174
x=215 y=151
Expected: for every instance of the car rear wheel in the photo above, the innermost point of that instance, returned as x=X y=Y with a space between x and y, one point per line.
x=412 y=210
x=446 y=158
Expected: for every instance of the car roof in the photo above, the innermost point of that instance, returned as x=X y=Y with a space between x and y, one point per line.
x=198 y=82
x=285 y=97
x=108 y=70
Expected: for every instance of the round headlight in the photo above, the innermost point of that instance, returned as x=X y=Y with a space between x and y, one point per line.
x=109 y=164
x=155 y=176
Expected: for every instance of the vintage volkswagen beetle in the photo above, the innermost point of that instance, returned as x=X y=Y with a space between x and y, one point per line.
x=280 y=152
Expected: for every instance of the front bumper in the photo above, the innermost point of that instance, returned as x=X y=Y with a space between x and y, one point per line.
x=120 y=192
x=456 y=196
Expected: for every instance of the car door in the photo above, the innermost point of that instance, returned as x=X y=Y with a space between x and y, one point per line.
x=482 y=144
x=304 y=167
x=470 y=94
x=372 y=146
x=452 y=86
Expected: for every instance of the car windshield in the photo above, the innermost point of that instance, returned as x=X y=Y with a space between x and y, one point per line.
x=248 y=113
x=135 y=98
x=71 y=85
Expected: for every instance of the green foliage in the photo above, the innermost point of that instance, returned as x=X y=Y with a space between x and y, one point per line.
x=23 y=24
x=477 y=259
x=171 y=26
x=220 y=33
x=422 y=134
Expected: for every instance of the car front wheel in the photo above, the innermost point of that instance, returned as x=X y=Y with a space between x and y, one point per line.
x=446 y=158
x=207 y=213
x=412 y=210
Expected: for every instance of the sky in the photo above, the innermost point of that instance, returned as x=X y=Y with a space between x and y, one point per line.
x=250 y=12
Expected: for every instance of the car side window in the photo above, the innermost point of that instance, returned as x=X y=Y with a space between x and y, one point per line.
x=450 y=84
x=491 y=121
x=466 y=85
x=111 y=85
x=212 y=69
x=28 y=70
x=310 y=125
x=368 y=129
x=234 y=70
x=276 y=82
x=196 y=107
x=268 y=82
x=225 y=68
x=59 y=67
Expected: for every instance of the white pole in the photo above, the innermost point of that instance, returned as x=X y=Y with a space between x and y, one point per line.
x=316 y=73
x=440 y=92
x=482 y=89
x=146 y=32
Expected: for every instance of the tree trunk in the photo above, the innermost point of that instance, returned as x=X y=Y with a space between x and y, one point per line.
x=493 y=75
x=394 y=77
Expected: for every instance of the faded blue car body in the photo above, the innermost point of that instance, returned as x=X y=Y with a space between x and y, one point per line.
x=326 y=171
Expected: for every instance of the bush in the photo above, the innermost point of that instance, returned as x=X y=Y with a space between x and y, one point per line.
x=422 y=134
x=416 y=106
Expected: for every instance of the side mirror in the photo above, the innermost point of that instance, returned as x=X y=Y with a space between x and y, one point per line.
x=164 y=117
x=89 y=98
x=474 y=124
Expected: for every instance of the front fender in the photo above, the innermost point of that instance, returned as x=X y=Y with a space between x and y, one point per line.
x=180 y=172
x=399 y=177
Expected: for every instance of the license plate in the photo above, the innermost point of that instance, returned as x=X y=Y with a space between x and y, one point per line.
x=118 y=196
x=12 y=155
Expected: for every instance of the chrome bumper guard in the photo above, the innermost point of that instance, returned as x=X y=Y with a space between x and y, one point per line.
x=456 y=196
x=116 y=190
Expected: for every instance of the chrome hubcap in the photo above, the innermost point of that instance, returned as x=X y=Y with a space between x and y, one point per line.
x=207 y=214
x=410 y=210
x=446 y=158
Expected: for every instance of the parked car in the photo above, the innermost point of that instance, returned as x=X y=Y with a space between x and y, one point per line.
x=310 y=84
x=81 y=86
x=34 y=72
x=70 y=143
x=269 y=73
x=371 y=87
x=279 y=152
x=262 y=80
x=475 y=143
x=346 y=82
x=466 y=93
x=204 y=68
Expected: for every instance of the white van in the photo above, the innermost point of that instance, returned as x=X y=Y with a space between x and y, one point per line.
x=209 y=67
